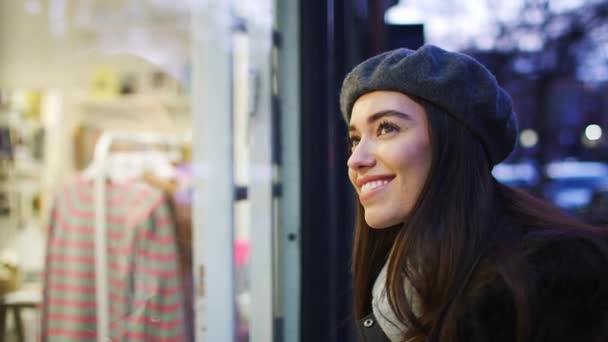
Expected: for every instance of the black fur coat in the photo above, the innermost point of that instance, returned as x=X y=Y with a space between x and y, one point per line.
x=568 y=280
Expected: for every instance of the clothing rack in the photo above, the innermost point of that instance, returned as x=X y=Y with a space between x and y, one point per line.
x=100 y=158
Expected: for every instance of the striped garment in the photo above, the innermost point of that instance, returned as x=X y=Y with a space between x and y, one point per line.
x=145 y=287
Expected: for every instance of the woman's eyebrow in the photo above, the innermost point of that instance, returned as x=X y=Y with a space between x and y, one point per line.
x=381 y=114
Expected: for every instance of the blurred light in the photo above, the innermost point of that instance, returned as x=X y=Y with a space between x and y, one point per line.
x=515 y=172
x=523 y=65
x=573 y=198
x=33 y=6
x=560 y=6
x=593 y=132
x=402 y=14
x=576 y=169
x=528 y=138
x=530 y=41
x=57 y=17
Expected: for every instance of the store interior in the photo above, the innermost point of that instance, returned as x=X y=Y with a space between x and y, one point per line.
x=94 y=93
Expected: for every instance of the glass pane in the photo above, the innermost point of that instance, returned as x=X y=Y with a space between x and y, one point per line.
x=75 y=75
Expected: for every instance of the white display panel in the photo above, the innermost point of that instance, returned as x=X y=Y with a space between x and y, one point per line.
x=213 y=178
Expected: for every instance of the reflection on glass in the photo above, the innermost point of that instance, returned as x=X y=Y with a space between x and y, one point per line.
x=242 y=240
x=95 y=165
x=242 y=255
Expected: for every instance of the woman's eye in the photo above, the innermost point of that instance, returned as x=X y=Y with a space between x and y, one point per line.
x=386 y=128
x=354 y=141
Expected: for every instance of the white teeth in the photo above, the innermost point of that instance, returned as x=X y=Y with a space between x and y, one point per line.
x=372 y=185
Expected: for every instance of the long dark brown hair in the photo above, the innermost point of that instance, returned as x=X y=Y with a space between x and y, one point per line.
x=461 y=223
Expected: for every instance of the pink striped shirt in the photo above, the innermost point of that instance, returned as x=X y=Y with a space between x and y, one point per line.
x=146 y=300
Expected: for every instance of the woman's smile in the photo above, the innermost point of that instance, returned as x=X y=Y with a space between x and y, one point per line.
x=372 y=186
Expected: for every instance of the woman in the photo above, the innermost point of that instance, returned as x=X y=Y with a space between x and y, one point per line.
x=442 y=251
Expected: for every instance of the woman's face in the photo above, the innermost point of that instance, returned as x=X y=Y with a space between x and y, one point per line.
x=391 y=155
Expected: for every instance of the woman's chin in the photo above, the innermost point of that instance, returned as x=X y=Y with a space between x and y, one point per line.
x=380 y=222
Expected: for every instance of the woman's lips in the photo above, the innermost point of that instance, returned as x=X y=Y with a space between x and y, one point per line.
x=373 y=188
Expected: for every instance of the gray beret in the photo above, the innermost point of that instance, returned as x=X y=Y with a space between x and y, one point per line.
x=453 y=82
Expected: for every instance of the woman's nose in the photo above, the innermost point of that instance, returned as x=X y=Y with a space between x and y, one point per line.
x=361 y=157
